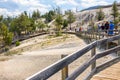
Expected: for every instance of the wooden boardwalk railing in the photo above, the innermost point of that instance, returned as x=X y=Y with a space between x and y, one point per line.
x=97 y=34
x=54 y=68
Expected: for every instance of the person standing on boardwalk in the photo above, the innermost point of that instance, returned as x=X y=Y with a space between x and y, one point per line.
x=80 y=29
x=106 y=26
x=102 y=27
x=111 y=28
x=99 y=27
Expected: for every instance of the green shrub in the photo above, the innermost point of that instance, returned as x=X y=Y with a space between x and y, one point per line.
x=17 y=43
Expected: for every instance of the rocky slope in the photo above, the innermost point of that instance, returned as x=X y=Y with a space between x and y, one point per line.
x=86 y=16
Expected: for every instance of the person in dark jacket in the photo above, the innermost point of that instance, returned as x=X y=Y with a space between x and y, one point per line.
x=102 y=26
x=106 y=26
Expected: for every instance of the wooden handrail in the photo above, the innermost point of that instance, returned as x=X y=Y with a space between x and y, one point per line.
x=52 y=69
x=89 y=62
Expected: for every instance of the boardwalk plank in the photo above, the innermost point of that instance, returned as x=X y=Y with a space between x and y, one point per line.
x=111 y=73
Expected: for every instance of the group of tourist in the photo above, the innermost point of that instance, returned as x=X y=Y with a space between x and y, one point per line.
x=78 y=29
x=108 y=27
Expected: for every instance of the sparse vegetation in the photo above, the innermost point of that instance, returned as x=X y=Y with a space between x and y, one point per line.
x=9 y=53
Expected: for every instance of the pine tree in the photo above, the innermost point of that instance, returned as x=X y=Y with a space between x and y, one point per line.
x=71 y=17
x=59 y=22
x=49 y=16
x=6 y=35
x=115 y=12
x=100 y=15
x=21 y=24
x=119 y=18
x=1 y=18
x=36 y=15
x=41 y=25
x=65 y=24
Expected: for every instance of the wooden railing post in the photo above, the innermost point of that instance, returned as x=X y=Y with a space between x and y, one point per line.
x=85 y=35
x=65 y=69
x=99 y=35
x=93 y=52
x=93 y=34
x=96 y=35
x=107 y=33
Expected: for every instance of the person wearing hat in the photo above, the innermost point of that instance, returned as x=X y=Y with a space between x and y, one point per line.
x=111 y=28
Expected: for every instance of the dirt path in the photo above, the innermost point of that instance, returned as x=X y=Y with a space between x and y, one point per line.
x=19 y=67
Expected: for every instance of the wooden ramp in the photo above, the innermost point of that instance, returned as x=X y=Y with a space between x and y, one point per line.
x=111 y=73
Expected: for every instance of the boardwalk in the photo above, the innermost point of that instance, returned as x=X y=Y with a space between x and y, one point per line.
x=111 y=73
x=105 y=72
